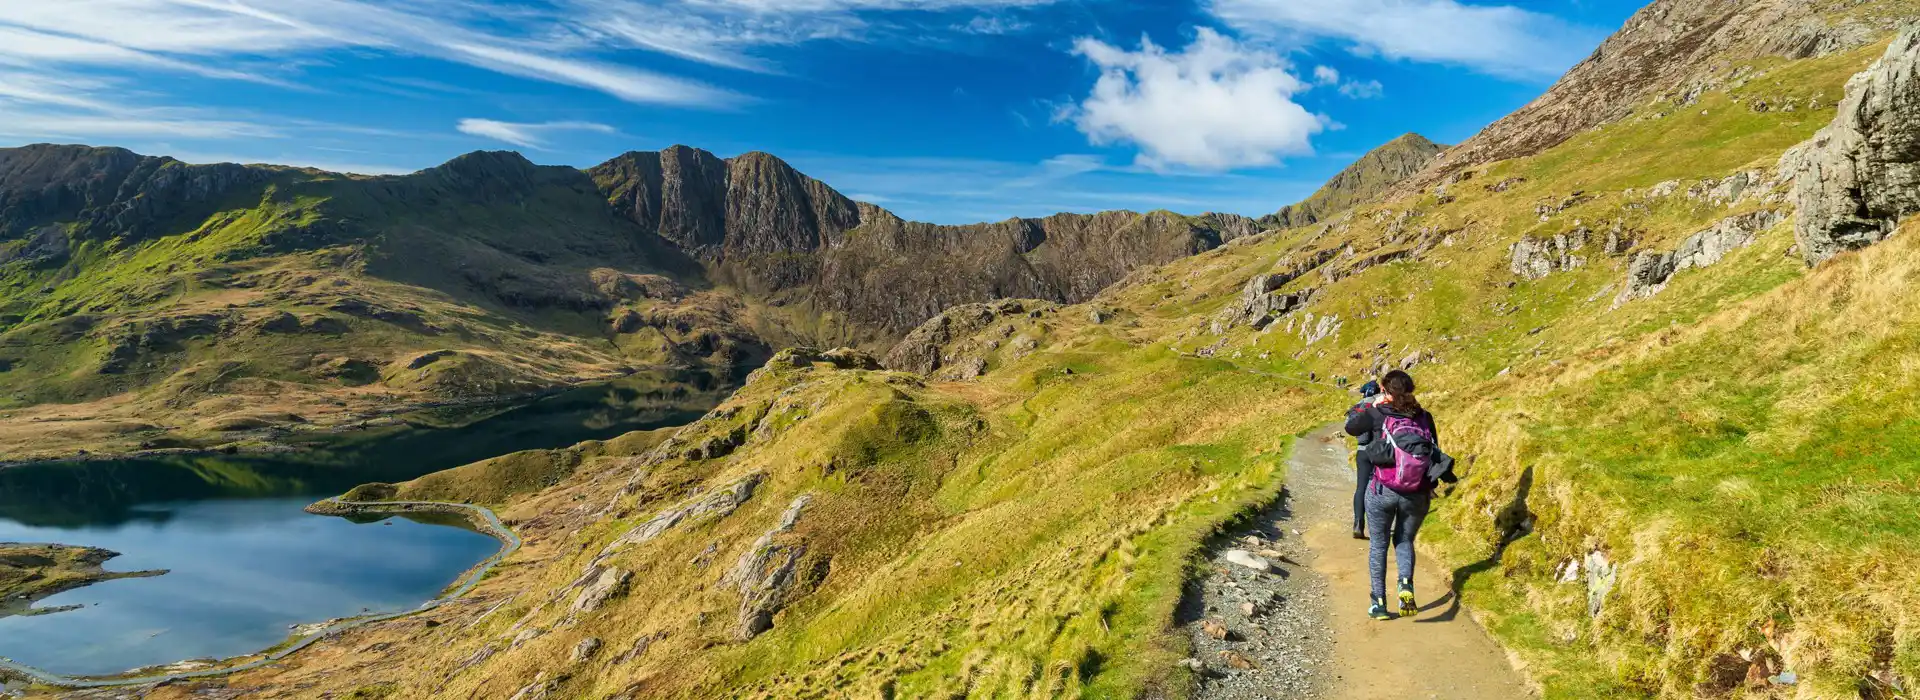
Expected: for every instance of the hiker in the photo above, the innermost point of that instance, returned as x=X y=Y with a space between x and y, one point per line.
x=1362 y=472
x=1403 y=449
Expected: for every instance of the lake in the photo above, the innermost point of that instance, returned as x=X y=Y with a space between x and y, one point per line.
x=246 y=562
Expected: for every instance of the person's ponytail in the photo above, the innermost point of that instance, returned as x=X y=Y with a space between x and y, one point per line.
x=1399 y=385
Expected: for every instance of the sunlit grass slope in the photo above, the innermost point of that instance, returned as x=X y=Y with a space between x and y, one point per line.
x=1733 y=443
x=1027 y=535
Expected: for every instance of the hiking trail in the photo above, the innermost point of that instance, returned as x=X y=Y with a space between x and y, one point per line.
x=1309 y=635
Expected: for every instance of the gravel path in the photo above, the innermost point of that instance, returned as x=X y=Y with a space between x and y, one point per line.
x=1308 y=636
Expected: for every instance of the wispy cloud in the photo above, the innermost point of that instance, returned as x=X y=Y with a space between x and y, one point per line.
x=1362 y=89
x=202 y=36
x=525 y=135
x=1502 y=40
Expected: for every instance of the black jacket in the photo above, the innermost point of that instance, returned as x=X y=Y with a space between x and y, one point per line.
x=1364 y=421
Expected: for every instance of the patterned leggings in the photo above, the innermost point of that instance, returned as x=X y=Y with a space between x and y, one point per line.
x=1396 y=517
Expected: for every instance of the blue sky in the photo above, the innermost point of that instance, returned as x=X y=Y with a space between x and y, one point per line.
x=943 y=110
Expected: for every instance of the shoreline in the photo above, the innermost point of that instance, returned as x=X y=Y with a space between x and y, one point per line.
x=481 y=517
x=86 y=567
x=361 y=421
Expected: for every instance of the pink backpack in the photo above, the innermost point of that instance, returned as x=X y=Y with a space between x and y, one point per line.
x=1408 y=473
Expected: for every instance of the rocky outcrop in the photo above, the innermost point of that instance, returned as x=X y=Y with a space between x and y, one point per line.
x=1670 y=47
x=1861 y=174
x=1649 y=271
x=105 y=193
x=927 y=348
x=766 y=574
x=1260 y=300
x=1534 y=258
x=606 y=585
x=717 y=503
x=1360 y=182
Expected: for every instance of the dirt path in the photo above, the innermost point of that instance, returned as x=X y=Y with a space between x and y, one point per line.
x=1316 y=640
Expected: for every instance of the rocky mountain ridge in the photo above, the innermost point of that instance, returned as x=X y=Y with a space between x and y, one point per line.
x=1664 y=57
x=759 y=223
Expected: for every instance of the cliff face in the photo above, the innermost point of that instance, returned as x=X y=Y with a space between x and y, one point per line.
x=759 y=223
x=1669 y=51
x=102 y=193
x=1374 y=173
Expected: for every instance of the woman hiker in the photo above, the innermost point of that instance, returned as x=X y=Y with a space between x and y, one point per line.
x=1403 y=449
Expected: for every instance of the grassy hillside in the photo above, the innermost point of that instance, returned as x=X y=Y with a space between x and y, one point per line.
x=1724 y=443
x=310 y=299
x=1690 y=488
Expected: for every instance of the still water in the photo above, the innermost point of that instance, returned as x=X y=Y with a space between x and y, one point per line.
x=246 y=562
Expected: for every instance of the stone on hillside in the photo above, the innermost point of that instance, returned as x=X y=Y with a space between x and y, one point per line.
x=965 y=369
x=931 y=346
x=1237 y=661
x=1534 y=258
x=1602 y=574
x=1215 y=629
x=849 y=358
x=1249 y=560
x=609 y=584
x=1857 y=177
x=714 y=504
x=1649 y=271
x=540 y=689
x=586 y=649
x=766 y=575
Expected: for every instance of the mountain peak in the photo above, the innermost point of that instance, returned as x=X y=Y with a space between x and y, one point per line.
x=1374 y=173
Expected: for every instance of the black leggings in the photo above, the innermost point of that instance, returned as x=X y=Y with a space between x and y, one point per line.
x=1361 y=476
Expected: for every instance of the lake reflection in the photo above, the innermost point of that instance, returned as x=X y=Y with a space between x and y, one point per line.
x=247 y=562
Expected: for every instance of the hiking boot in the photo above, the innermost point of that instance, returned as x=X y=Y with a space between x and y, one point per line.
x=1407 y=606
x=1359 y=533
x=1379 y=610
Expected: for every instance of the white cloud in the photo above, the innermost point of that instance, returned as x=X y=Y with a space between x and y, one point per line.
x=1325 y=75
x=1362 y=89
x=1216 y=105
x=525 y=135
x=1503 y=40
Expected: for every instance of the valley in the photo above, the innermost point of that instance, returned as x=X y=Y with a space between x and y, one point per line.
x=757 y=439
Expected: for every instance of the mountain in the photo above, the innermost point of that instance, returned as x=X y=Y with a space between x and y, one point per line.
x=761 y=224
x=1665 y=347
x=1367 y=178
x=242 y=296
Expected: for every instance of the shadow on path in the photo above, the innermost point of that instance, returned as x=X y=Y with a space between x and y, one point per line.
x=1513 y=522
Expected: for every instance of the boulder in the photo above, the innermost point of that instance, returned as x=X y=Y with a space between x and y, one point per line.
x=586 y=649
x=608 y=584
x=1249 y=560
x=1649 y=271
x=1856 y=178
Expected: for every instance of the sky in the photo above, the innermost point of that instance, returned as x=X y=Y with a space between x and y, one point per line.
x=949 y=111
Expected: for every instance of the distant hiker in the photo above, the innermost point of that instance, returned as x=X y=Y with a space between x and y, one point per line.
x=1403 y=449
x=1362 y=472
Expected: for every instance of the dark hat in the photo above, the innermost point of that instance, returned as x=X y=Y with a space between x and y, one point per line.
x=1369 y=389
